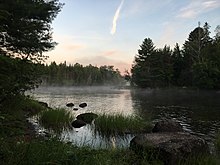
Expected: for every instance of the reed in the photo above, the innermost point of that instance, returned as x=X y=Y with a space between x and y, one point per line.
x=118 y=124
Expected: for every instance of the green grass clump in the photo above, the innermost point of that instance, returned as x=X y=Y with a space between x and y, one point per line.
x=119 y=125
x=55 y=119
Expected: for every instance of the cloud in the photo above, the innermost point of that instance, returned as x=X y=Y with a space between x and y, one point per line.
x=196 y=8
x=115 y=18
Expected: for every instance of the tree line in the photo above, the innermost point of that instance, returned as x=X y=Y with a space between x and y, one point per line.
x=79 y=75
x=196 y=64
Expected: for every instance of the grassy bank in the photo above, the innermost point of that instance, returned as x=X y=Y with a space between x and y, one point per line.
x=13 y=116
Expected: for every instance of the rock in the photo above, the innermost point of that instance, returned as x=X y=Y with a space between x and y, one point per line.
x=69 y=104
x=75 y=109
x=82 y=105
x=87 y=117
x=167 y=125
x=78 y=123
x=171 y=147
x=43 y=104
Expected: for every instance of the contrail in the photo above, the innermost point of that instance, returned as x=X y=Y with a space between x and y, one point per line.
x=115 y=18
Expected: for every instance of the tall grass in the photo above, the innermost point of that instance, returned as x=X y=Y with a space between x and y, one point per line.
x=118 y=124
x=55 y=119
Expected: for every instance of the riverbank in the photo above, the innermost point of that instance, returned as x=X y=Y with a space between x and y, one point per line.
x=21 y=145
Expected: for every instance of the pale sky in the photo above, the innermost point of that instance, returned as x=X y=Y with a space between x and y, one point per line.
x=109 y=32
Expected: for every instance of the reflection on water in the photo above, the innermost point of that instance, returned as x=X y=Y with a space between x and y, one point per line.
x=197 y=111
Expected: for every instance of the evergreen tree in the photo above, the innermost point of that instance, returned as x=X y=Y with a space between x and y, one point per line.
x=141 y=75
x=25 y=29
x=177 y=64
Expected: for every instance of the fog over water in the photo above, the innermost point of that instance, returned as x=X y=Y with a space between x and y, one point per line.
x=197 y=111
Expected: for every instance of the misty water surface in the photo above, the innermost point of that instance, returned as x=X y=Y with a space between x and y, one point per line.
x=197 y=111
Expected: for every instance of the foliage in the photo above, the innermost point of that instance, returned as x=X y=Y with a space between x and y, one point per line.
x=25 y=33
x=118 y=124
x=25 y=29
x=17 y=76
x=55 y=119
x=77 y=74
x=197 y=64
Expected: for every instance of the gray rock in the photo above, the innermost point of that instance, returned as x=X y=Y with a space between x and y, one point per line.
x=78 y=123
x=172 y=148
x=167 y=125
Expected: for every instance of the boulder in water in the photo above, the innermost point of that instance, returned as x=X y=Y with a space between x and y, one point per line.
x=69 y=104
x=82 y=105
x=169 y=143
x=87 y=117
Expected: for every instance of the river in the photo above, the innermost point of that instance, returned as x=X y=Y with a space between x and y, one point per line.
x=198 y=111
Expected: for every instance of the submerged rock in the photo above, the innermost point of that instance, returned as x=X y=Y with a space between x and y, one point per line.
x=87 y=117
x=69 y=104
x=167 y=125
x=78 y=123
x=82 y=105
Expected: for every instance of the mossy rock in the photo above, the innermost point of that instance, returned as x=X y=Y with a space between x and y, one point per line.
x=87 y=117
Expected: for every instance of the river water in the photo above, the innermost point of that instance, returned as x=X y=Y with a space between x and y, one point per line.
x=197 y=111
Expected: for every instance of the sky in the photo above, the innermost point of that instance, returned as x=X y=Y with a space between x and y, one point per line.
x=110 y=32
